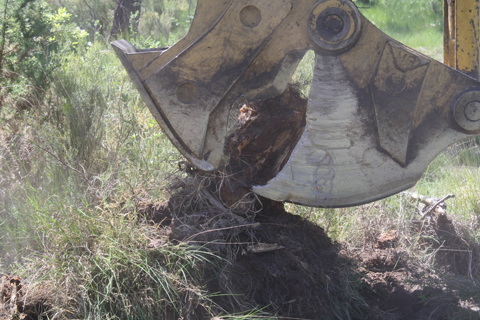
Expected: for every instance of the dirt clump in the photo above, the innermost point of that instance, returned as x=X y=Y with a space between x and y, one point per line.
x=159 y=213
x=266 y=133
x=382 y=259
x=454 y=254
x=269 y=260
x=397 y=288
x=15 y=305
x=294 y=276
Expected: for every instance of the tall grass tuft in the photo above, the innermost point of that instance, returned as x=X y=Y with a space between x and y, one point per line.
x=99 y=264
x=72 y=176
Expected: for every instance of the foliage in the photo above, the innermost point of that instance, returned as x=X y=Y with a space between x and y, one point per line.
x=33 y=39
x=407 y=16
x=95 y=17
x=162 y=22
x=167 y=20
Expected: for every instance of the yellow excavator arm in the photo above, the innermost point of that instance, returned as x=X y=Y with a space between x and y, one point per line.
x=461 y=36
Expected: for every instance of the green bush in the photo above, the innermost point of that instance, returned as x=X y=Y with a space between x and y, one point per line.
x=161 y=23
x=32 y=41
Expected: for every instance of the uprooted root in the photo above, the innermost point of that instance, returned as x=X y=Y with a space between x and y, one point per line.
x=268 y=258
x=287 y=266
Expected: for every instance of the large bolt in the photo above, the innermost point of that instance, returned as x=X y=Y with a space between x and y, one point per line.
x=472 y=111
x=466 y=110
x=334 y=25
x=250 y=16
x=396 y=82
x=187 y=92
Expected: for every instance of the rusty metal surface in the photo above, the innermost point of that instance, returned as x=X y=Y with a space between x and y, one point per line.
x=462 y=36
x=377 y=115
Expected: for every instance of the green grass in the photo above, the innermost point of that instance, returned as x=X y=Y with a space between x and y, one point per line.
x=99 y=265
x=416 y=23
x=72 y=179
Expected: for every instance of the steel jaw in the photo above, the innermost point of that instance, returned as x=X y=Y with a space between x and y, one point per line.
x=377 y=115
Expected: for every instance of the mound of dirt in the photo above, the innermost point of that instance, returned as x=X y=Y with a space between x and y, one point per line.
x=287 y=266
x=289 y=270
x=395 y=289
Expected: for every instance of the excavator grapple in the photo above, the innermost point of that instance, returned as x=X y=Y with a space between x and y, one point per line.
x=378 y=112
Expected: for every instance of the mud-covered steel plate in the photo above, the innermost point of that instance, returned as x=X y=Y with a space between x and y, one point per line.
x=378 y=112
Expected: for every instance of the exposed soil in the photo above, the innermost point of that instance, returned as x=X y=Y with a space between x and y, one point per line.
x=13 y=305
x=266 y=134
x=288 y=266
x=288 y=269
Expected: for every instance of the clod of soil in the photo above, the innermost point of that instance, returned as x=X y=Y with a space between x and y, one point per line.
x=265 y=136
x=382 y=259
x=13 y=305
x=297 y=279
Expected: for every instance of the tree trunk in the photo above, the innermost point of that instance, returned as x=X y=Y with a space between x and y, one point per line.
x=124 y=10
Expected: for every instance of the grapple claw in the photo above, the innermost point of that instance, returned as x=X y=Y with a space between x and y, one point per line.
x=378 y=112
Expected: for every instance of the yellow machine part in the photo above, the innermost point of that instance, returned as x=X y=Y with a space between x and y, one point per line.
x=462 y=36
x=377 y=114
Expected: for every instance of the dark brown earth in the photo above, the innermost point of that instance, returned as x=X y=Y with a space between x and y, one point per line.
x=302 y=274
x=287 y=266
x=12 y=303
x=266 y=134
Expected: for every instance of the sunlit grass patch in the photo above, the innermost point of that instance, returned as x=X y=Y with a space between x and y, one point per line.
x=417 y=24
x=100 y=265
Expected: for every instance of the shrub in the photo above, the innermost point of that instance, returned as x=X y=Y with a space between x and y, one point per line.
x=32 y=39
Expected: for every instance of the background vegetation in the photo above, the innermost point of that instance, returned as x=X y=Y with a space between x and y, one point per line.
x=80 y=154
